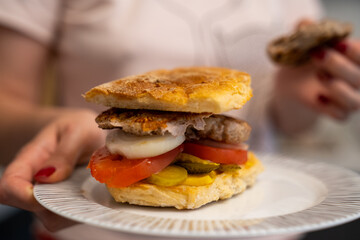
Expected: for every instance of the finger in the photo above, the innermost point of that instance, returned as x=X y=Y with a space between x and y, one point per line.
x=351 y=49
x=315 y=96
x=339 y=91
x=75 y=142
x=344 y=95
x=64 y=158
x=325 y=106
x=20 y=196
x=338 y=66
x=16 y=188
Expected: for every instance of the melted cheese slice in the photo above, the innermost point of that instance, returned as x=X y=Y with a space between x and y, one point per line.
x=134 y=147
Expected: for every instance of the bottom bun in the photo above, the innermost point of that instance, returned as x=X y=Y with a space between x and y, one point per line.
x=225 y=185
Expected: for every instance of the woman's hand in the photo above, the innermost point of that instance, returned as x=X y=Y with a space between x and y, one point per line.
x=50 y=157
x=329 y=85
x=339 y=71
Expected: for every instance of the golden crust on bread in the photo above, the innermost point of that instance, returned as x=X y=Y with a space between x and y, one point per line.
x=225 y=186
x=193 y=89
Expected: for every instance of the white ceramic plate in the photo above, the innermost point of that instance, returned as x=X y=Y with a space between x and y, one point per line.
x=289 y=197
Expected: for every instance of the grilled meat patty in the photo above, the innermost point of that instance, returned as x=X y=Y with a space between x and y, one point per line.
x=150 y=122
x=195 y=125
x=221 y=129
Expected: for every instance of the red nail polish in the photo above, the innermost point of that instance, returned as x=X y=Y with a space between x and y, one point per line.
x=341 y=47
x=319 y=54
x=44 y=173
x=323 y=99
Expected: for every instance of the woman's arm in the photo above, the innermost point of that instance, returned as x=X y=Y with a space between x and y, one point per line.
x=22 y=64
x=56 y=138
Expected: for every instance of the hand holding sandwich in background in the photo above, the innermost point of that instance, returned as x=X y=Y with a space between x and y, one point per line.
x=327 y=84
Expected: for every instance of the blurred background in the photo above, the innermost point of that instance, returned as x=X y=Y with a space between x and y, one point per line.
x=334 y=143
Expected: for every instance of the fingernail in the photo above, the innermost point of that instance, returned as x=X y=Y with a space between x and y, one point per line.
x=323 y=99
x=44 y=173
x=319 y=54
x=341 y=47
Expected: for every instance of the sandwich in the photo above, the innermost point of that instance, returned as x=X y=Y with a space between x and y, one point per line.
x=168 y=144
x=295 y=49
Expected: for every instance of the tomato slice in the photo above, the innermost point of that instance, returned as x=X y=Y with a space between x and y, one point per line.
x=118 y=171
x=217 y=155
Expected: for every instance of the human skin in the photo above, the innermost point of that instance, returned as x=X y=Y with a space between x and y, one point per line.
x=328 y=85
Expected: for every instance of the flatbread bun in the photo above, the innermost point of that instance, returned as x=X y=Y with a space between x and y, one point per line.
x=193 y=89
x=225 y=185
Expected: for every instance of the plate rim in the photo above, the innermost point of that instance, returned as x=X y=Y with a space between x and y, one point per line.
x=223 y=228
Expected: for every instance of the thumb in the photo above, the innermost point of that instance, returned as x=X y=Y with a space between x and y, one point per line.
x=63 y=159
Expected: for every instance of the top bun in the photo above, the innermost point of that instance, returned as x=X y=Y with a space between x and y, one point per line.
x=193 y=89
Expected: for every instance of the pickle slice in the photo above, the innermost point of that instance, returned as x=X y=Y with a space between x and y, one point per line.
x=195 y=165
x=200 y=179
x=169 y=176
x=229 y=167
